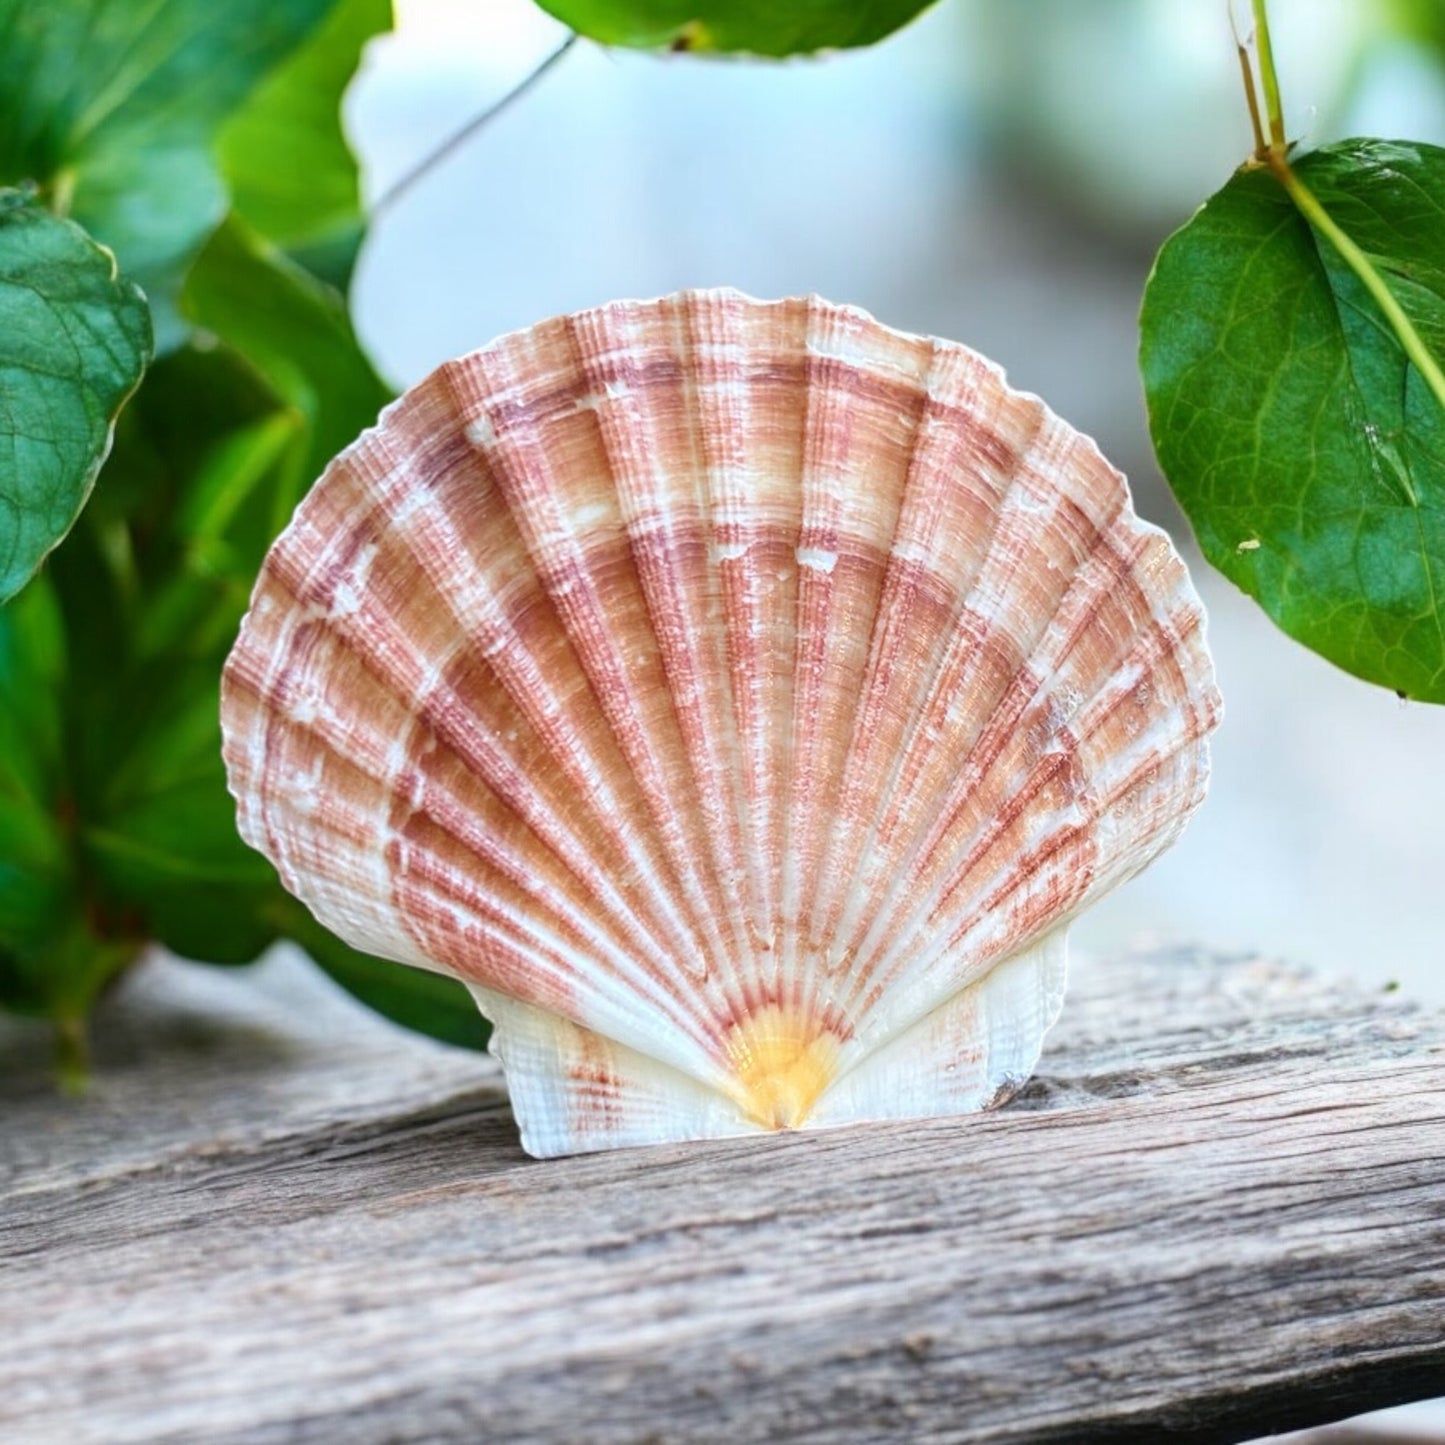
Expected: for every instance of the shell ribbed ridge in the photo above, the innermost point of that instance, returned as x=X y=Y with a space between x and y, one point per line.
x=410 y=715
x=955 y=496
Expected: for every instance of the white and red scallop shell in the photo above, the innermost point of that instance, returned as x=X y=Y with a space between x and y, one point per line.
x=740 y=697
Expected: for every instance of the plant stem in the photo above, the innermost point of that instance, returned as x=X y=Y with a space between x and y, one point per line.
x=457 y=139
x=1275 y=155
x=1250 y=98
x=1267 y=77
x=62 y=191
x=72 y=1053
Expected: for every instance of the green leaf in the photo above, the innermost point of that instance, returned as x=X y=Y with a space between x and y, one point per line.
x=757 y=27
x=142 y=838
x=34 y=873
x=1305 y=447
x=291 y=173
x=115 y=823
x=208 y=465
x=32 y=665
x=154 y=584
x=1421 y=20
x=195 y=608
x=74 y=341
x=57 y=948
x=295 y=333
x=112 y=106
x=429 y=1003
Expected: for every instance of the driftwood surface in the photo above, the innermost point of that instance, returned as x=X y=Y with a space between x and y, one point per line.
x=1219 y=1210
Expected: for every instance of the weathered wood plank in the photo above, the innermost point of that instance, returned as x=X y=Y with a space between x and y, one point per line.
x=1220 y=1210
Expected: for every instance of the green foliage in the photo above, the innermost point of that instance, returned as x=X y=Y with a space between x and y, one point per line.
x=112 y=107
x=1306 y=447
x=74 y=340
x=124 y=767
x=285 y=159
x=203 y=142
x=758 y=27
x=34 y=879
x=1422 y=20
x=294 y=332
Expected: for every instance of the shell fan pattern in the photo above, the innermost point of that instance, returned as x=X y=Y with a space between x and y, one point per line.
x=741 y=698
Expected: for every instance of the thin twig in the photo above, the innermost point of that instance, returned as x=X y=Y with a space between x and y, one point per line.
x=1241 y=48
x=454 y=142
x=1252 y=100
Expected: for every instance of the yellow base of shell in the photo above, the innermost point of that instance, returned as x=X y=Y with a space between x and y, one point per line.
x=574 y=1091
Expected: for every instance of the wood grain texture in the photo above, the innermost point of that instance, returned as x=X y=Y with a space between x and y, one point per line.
x=1219 y=1210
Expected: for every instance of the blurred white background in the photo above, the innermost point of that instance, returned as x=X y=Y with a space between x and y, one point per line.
x=998 y=173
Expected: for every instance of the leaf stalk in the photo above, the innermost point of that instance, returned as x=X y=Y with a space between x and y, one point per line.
x=72 y=1053
x=1268 y=78
x=1275 y=155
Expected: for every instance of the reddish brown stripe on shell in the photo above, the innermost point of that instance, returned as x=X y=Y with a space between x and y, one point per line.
x=946 y=524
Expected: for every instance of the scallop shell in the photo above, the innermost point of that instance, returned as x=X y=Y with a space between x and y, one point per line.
x=741 y=698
